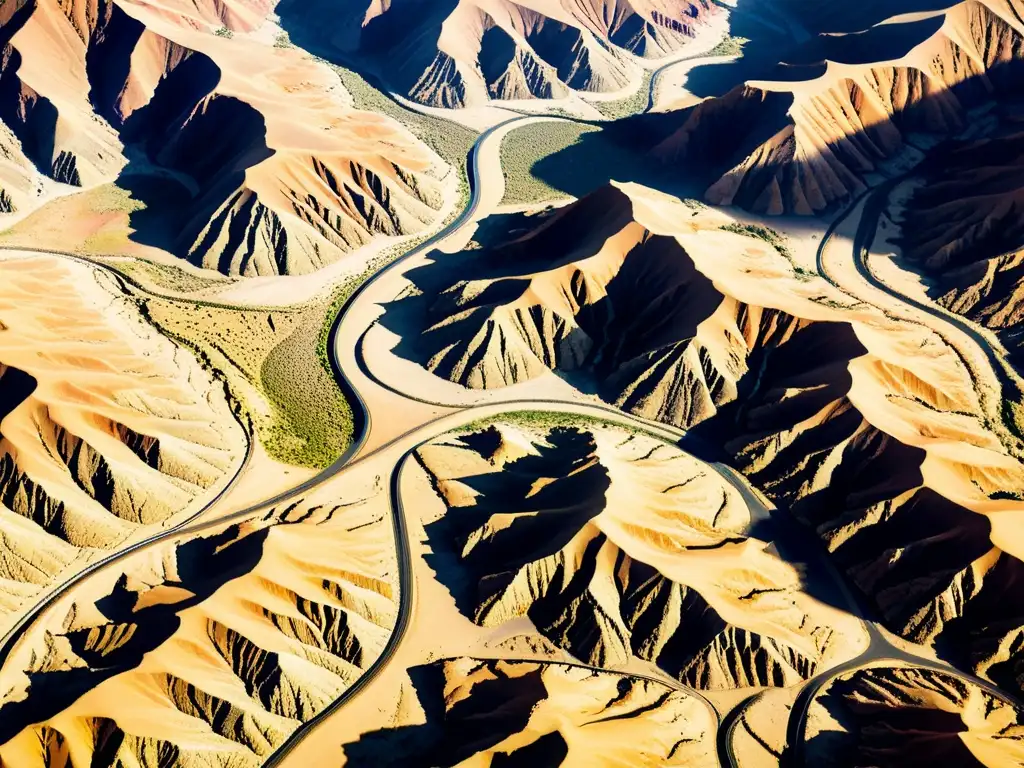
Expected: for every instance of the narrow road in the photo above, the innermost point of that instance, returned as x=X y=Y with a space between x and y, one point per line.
x=875 y=202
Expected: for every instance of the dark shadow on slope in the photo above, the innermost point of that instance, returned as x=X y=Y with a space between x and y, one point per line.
x=840 y=32
x=108 y=60
x=962 y=231
x=496 y=709
x=880 y=729
x=190 y=152
x=547 y=520
x=16 y=387
x=203 y=566
x=392 y=51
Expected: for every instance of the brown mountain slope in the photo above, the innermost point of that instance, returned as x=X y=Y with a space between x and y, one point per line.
x=465 y=52
x=107 y=429
x=209 y=650
x=866 y=426
x=289 y=176
x=619 y=547
x=842 y=104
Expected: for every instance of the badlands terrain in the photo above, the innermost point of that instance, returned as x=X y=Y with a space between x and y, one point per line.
x=511 y=383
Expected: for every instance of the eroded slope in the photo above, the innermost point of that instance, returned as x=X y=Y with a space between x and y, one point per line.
x=107 y=428
x=619 y=547
x=497 y=712
x=468 y=52
x=209 y=649
x=961 y=228
x=840 y=105
x=893 y=716
x=250 y=157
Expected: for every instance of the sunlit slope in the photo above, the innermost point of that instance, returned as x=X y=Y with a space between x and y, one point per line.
x=620 y=548
x=250 y=157
x=465 y=53
x=108 y=428
x=866 y=424
x=211 y=649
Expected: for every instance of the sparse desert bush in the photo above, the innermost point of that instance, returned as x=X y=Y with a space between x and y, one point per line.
x=271 y=364
x=775 y=239
x=546 y=421
x=729 y=46
x=523 y=147
x=224 y=32
x=633 y=104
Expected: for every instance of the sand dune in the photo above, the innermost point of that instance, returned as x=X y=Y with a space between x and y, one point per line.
x=108 y=428
x=547 y=714
x=251 y=157
x=212 y=649
x=894 y=716
x=839 y=106
x=466 y=53
x=619 y=547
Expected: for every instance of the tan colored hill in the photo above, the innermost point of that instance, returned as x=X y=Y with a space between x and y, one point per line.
x=895 y=716
x=209 y=650
x=549 y=714
x=868 y=427
x=107 y=428
x=844 y=102
x=468 y=52
x=251 y=157
x=619 y=548
x=962 y=229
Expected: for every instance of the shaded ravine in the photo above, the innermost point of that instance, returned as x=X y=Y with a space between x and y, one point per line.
x=875 y=201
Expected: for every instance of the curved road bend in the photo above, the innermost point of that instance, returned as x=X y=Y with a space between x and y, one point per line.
x=875 y=202
x=10 y=639
x=406 y=598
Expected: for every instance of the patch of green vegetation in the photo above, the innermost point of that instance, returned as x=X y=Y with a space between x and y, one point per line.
x=164 y=277
x=522 y=148
x=630 y=105
x=780 y=243
x=729 y=46
x=546 y=421
x=110 y=198
x=282 y=40
x=224 y=32
x=775 y=239
x=269 y=361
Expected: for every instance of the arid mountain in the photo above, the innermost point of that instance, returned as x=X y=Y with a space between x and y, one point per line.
x=619 y=547
x=866 y=427
x=208 y=650
x=251 y=158
x=549 y=714
x=963 y=229
x=895 y=716
x=465 y=52
x=107 y=428
x=845 y=101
